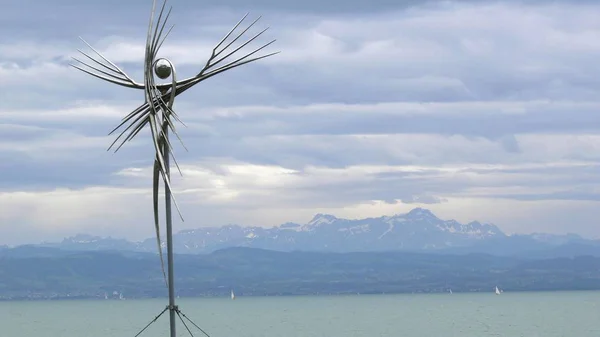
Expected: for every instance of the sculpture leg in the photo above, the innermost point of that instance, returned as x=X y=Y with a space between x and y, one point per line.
x=169 y=222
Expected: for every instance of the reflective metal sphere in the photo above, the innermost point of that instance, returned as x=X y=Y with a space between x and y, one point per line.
x=162 y=68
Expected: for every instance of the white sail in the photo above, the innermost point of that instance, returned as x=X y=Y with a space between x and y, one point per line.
x=232 y=295
x=497 y=291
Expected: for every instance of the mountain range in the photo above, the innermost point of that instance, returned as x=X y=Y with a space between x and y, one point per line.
x=412 y=252
x=417 y=231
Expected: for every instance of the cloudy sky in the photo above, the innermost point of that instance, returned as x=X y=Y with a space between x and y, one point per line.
x=475 y=110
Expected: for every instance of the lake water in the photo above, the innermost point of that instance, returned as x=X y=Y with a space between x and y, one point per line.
x=550 y=314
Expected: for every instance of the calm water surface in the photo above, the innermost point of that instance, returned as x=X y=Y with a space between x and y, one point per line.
x=568 y=314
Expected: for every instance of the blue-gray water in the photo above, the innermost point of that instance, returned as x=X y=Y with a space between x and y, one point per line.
x=550 y=314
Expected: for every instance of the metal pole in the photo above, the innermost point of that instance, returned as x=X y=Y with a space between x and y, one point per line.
x=172 y=307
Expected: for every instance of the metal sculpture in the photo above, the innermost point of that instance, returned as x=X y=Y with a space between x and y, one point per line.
x=157 y=111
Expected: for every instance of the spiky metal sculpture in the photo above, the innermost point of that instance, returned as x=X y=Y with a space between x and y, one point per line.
x=157 y=110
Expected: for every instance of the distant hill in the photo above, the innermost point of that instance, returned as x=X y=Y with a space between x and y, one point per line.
x=33 y=272
x=418 y=231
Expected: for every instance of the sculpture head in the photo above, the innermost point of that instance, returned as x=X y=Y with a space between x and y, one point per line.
x=162 y=68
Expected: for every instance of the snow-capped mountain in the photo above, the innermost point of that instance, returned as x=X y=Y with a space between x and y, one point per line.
x=418 y=229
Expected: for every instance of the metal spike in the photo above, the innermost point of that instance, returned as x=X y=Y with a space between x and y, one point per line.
x=134 y=132
x=236 y=64
x=100 y=63
x=239 y=35
x=165 y=37
x=141 y=109
x=104 y=78
x=230 y=32
x=100 y=71
x=242 y=46
x=134 y=122
x=107 y=60
x=157 y=34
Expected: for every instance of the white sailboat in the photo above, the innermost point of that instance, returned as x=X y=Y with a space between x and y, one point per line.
x=232 y=295
x=498 y=291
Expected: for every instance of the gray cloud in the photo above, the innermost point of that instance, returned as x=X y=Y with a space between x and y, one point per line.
x=373 y=107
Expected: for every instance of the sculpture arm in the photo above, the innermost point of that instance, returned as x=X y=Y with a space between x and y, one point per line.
x=222 y=54
x=107 y=70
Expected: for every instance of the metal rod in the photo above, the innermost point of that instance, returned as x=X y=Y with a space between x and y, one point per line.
x=169 y=221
